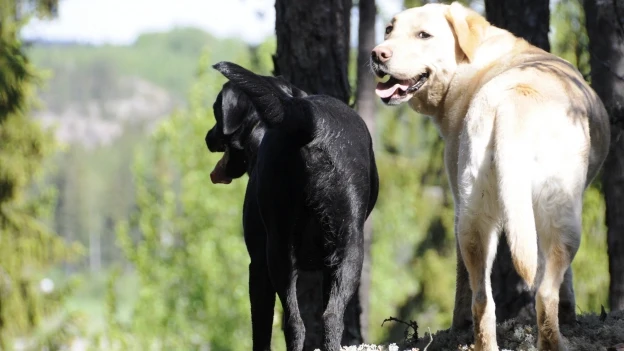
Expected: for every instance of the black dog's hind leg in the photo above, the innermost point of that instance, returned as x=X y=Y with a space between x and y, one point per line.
x=262 y=297
x=284 y=276
x=340 y=282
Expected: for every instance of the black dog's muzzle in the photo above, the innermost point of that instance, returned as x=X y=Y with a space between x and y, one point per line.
x=214 y=142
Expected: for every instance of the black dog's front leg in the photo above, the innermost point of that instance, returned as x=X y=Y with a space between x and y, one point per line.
x=261 y=290
x=284 y=278
x=262 y=297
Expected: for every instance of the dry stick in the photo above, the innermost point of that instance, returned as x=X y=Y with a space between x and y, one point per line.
x=603 y=313
x=430 y=339
x=410 y=324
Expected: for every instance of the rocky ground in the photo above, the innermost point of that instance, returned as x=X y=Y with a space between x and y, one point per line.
x=591 y=332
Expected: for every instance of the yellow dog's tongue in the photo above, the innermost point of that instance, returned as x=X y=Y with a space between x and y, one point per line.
x=217 y=176
x=389 y=88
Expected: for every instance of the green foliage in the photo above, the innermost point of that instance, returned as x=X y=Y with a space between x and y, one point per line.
x=95 y=191
x=95 y=185
x=590 y=266
x=568 y=35
x=413 y=249
x=415 y=3
x=28 y=248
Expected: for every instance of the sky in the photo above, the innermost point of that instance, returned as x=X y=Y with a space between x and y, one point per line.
x=121 y=21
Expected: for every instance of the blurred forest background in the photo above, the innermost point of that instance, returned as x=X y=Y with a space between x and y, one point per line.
x=112 y=236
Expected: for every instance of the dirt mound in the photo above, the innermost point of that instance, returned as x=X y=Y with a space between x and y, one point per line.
x=591 y=332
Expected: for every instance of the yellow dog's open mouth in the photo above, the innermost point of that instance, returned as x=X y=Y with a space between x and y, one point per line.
x=399 y=88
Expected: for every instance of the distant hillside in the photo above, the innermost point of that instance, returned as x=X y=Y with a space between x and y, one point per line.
x=93 y=90
x=166 y=59
x=94 y=122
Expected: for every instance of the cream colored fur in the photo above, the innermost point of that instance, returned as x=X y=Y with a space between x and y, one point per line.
x=524 y=136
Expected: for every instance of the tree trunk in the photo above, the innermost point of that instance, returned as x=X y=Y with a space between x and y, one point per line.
x=313 y=54
x=313 y=45
x=605 y=28
x=365 y=104
x=528 y=19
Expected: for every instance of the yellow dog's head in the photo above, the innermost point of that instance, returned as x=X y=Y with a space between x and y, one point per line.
x=421 y=51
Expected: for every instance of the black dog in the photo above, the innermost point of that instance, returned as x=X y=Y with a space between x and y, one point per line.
x=312 y=184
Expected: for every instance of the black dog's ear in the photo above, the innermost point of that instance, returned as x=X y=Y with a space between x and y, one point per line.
x=296 y=92
x=235 y=106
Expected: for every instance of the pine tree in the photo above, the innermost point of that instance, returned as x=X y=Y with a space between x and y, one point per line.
x=27 y=247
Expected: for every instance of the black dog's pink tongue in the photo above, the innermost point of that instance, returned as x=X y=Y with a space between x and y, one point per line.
x=387 y=89
x=217 y=176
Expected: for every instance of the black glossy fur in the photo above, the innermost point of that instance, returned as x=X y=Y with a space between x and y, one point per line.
x=312 y=184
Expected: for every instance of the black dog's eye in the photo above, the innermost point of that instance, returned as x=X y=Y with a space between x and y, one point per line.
x=424 y=35
x=388 y=30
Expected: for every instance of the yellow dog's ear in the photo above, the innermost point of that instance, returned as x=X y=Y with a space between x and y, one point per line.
x=469 y=27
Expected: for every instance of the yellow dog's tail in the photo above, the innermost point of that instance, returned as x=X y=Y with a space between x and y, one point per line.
x=513 y=164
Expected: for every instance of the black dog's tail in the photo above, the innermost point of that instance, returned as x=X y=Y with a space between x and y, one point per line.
x=275 y=106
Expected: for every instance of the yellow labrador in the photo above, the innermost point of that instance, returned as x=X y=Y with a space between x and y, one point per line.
x=524 y=136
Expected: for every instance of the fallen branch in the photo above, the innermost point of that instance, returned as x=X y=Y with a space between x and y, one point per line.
x=409 y=338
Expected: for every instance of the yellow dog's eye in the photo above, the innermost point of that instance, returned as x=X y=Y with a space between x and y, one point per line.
x=388 y=30
x=424 y=35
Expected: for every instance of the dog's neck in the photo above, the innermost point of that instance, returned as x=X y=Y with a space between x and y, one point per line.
x=473 y=75
x=253 y=143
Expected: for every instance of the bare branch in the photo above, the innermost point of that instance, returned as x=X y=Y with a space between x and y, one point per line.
x=411 y=324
